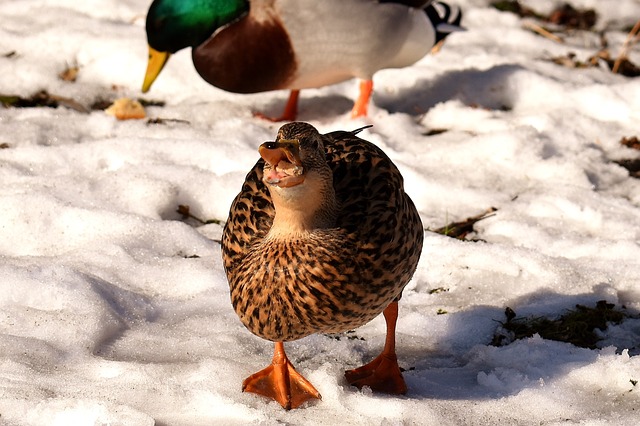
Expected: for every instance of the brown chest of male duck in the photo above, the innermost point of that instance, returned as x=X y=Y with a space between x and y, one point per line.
x=322 y=238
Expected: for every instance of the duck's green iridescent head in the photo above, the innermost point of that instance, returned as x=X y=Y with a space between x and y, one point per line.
x=175 y=24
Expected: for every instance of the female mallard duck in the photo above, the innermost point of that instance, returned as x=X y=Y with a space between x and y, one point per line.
x=321 y=239
x=249 y=46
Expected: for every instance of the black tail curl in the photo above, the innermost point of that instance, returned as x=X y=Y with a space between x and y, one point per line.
x=445 y=18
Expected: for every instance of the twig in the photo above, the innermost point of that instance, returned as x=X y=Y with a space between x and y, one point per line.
x=185 y=211
x=541 y=31
x=459 y=230
x=632 y=37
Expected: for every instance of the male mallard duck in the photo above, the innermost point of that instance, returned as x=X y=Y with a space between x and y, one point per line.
x=321 y=239
x=249 y=46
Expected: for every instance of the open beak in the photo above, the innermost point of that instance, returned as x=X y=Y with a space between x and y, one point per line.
x=156 y=62
x=284 y=166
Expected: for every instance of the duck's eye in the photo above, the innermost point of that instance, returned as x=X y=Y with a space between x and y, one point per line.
x=269 y=145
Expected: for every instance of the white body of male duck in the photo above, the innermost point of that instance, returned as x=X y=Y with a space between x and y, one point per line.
x=259 y=45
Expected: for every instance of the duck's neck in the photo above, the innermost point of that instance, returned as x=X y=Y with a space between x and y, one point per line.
x=303 y=208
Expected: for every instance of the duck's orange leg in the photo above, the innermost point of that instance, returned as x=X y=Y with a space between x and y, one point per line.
x=362 y=103
x=383 y=373
x=281 y=382
x=290 y=110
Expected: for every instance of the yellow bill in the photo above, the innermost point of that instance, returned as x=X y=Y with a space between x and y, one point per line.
x=156 y=62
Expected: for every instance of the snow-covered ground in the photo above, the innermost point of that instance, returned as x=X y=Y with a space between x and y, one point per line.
x=115 y=311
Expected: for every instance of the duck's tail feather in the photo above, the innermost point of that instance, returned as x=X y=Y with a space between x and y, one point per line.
x=446 y=19
x=358 y=130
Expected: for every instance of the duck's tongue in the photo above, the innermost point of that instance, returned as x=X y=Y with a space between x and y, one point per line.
x=285 y=166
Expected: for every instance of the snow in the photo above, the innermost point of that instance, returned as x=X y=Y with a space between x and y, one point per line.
x=115 y=311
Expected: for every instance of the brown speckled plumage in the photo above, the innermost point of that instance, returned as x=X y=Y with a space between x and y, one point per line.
x=330 y=279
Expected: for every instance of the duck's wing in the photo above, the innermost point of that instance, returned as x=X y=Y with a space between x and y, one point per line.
x=250 y=218
x=375 y=207
x=368 y=185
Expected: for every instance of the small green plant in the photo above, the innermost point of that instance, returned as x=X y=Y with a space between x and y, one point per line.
x=577 y=326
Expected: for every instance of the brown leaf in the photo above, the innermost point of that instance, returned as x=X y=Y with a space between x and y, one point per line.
x=570 y=17
x=41 y=99
x=624 y=66
x=632 y=166
x=631 y=142
x=460 y=230
x=514 y=6
x=70 y=74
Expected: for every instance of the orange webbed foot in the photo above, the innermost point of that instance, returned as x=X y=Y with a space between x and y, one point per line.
x=381 y=375
x=281 y=382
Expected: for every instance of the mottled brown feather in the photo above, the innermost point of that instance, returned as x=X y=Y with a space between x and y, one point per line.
x=330 y=280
